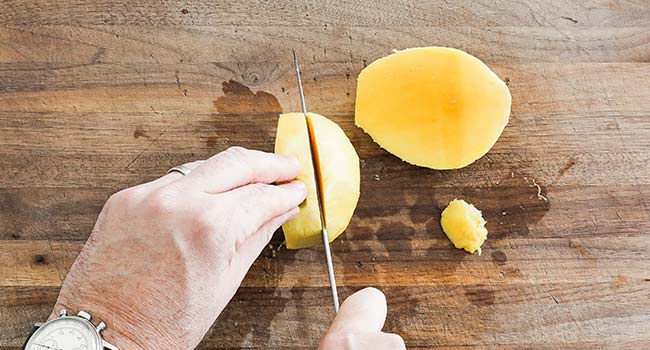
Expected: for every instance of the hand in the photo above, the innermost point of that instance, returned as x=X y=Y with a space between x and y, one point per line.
x=165 y=257
x=358 y=325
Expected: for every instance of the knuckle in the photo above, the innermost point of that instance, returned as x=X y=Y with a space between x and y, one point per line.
x=203 y=224
x=237 y=150
x=234 y=158
x=235 y=154
x=114 y=199
x=125 y=196
x=161 y=202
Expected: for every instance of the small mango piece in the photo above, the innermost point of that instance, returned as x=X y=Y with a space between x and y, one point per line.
x=464 y=225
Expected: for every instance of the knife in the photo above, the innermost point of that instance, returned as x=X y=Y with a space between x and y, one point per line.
x=317 y=175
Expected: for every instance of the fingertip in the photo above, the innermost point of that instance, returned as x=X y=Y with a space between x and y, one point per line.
x=293 y=164
x=366 y=310
x=374 y=291
x=371 y=294
x=298 y=188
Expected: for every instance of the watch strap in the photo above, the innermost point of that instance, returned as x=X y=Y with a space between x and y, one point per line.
x=35 y=326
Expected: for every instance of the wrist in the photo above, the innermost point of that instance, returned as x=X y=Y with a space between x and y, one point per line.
x=115 y=332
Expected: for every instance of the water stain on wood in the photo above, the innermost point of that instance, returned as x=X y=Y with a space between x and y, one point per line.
x=139 y=132
x=524 y=203
x=210 y=141
x=499 y=258
x=389 y=231
x=239 y=99
x=244 y=117
x=433 y=227
x=480 y=296
x=425 y=209
x=513 y=272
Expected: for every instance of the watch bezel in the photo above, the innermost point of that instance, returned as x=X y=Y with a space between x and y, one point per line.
x=99 y=343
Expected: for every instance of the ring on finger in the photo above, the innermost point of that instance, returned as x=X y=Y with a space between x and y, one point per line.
x=183 y=169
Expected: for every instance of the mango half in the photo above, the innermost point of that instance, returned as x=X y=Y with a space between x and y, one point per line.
x=435 y=107
x=339 y=176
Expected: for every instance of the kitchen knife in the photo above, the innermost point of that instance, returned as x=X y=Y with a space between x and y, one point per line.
x=317 y=177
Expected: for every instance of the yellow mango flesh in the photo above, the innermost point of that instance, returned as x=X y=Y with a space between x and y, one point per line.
x=435 y=107
x=464 y=225
x=340 y=176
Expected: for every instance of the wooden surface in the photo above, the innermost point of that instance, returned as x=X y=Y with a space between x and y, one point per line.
x=95 y=97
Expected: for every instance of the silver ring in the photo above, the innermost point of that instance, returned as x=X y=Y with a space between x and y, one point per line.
x=183 y=169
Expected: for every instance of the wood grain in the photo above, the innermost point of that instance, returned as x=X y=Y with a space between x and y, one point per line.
x=381 y=13
x=96 y=97
x=27 y=47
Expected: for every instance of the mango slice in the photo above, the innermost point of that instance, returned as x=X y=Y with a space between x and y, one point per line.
x=464 y=225
x=435 y=107
x=339 y=182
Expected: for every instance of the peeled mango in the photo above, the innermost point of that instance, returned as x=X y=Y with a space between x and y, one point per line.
x=339 y=181
x=435 y=107
x=464 y=225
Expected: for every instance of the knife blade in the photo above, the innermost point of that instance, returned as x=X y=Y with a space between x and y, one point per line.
x=317 y=176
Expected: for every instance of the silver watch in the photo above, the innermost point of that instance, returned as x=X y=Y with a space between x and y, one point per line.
x=68 y=333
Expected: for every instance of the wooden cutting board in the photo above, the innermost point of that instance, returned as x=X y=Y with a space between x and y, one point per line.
x=99 y=97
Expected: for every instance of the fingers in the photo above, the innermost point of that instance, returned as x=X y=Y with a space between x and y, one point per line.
x=237 y=167
x=363 y=311
x=362 y=341
x=359 y=322
x=255 y=204
x=251 y=248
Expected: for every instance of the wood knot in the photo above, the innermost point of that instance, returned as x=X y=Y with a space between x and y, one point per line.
x=40 y=259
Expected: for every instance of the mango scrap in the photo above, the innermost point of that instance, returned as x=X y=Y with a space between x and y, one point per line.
x=339 y=182
x=464 y=225
x=435 y=107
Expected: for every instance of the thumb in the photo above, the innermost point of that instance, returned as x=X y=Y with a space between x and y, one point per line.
x=363 y=311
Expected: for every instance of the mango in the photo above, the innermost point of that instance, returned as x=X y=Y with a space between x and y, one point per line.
x=464 y=226
x=434 y=107
x=339 y=181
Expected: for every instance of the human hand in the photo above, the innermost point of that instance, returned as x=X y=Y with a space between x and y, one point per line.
x=358 y=325
x=165 y=257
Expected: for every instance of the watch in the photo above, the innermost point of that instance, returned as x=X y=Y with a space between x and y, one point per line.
x=68 y=333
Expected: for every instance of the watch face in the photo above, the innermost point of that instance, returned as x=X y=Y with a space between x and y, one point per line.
x=65 y=333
